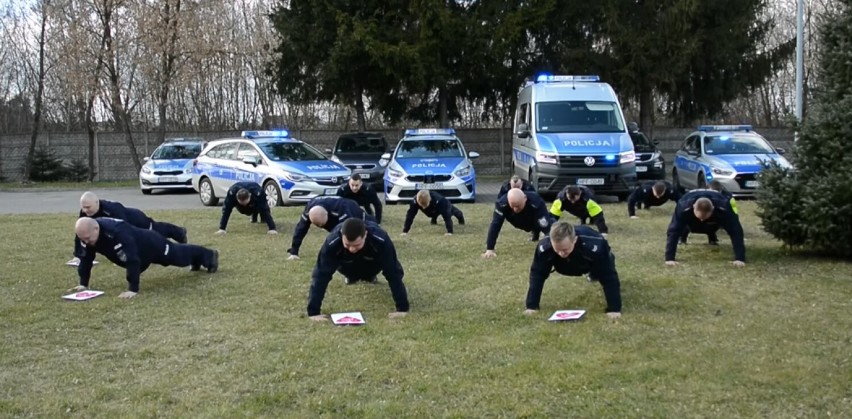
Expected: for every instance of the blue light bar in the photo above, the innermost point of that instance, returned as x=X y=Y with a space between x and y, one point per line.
x=717 y=128
x=266 y=134
x=610 y=157
x=550 y=78
x=430 y=131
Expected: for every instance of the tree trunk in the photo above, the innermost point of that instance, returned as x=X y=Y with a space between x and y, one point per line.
x=167 y=64
x=443 y=98
x=38 y=97
x=360 y=111
x=122 y=118
x=646 y=109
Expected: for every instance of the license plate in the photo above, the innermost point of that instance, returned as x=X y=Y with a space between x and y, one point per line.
x=592 y=181
x=640 y=169
x=429 y=186
x=168 y=179
x=365 y=175
x=330 y=191
x=752 y=184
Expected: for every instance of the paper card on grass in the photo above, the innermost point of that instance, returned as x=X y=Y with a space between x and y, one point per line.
x=83 y=295
x=353 y=319
x=77 y=263
x=567 y=315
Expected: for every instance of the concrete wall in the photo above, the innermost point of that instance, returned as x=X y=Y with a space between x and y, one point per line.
x=113 y=161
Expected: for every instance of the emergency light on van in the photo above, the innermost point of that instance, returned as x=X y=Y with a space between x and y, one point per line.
x=265 y=134
x=431 y=131
x=549 y=78
x=712 y=128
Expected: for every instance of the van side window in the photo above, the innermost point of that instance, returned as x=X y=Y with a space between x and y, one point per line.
x=523 y=114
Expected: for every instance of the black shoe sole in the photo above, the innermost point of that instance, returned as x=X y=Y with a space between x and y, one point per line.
x=214 y=265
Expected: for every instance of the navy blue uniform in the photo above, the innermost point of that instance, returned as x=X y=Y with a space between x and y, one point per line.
x=591 y=255
x=377 y=255
x=339 y=209
x=366 y=197
x=257 y=205
x=644 y=195
x=438 y=205
x=526 y=186
x=534 y=217
x=585 y=208
x=684 y=221
x=134 y=249
x=136 y=218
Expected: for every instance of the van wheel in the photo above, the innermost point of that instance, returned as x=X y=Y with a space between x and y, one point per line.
x=206 y=194
x=273 y=194
x=533 y=182
x=701 y=182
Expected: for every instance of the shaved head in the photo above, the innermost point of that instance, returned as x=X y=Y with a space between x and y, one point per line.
x=89 y=203
x=318 y=216
x=517 y=199
x=88 y=230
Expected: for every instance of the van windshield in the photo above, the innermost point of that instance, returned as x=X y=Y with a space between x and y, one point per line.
x=578 y=116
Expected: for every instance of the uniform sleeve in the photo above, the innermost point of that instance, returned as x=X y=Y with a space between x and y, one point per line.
x=341 y=192
x=603 y=270
x=556 y=208
x=376 y=202
x=674 y=194
x=673 y=233
x=494 y=229
x=227 y=208
x=78 y=247
x=637 y=194
x=446 y=209
x=326 y=265
x=299 y=234
x=132 y=264
x=409 y=216
x=539 y=272
x=87 y=259
x=544 y=217
x=393 y=272
x=265 y=212
x=593 y=208
x=118 y=211
x=735 y=231
x=504 y=189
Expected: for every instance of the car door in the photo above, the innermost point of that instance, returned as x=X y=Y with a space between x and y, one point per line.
x=686 y=164
x=247 y=172
x=223 y=171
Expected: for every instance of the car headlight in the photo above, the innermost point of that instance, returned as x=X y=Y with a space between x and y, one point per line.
x=723 y=172
x=463 y=172
x=547 y=158
x=383 y=162
x=146 y=170
x=394 y=173
x=627 y=157
x=295 y=177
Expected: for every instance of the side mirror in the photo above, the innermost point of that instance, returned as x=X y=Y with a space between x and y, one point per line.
x=781 y=151
x=328 y=151
x=146 y=158
x=384 y=160
x=523 y=131
x=692 y=152
x=386 y=156
x=473 y=155
x=252 y=160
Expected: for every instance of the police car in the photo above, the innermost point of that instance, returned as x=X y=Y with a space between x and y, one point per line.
x=170 y=165
x=289 y=170
x=731 y=154
x=432 y=159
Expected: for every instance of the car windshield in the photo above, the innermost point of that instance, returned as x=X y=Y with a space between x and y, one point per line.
x=290 y=151
x=736 y=144
x=578 y=116
x=429 y=149
x=361 y=145
x=177 y=151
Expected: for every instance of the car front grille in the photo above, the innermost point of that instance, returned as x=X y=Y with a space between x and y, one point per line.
x=329 y=181
x=447 y=193
x=168 y=173
x=580 y=161
x=361 y=166
x=428 y=178
x=743 y=178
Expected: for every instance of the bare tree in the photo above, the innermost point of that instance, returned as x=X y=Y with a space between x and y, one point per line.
x=38 y=74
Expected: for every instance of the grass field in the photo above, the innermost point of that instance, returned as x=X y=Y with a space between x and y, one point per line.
x=703 y=339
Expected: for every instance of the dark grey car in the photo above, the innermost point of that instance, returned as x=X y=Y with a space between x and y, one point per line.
x=361 y=152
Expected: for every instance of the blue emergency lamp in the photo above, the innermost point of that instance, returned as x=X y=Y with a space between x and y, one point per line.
x=550 y=78
x=430 y=131
x=717 y=128
x=283 y=133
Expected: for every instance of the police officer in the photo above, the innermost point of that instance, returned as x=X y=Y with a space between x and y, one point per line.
x=575 y=251
x=577 y=201
x=651 y=194
x=705 y=211
x=717 y=186
x=134 y=249
x=359 y=250
x=91 y=206
x=524 y=210
x=325 y=212
x=515 y=182
x=249 y=199
x=363 y=194
x=432 y=204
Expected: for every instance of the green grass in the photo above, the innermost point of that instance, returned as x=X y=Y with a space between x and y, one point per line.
x=68 y=185
x=703 y=339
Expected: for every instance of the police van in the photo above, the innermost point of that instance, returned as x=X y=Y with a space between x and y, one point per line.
x=433 y=159
x=570 y=130
x=289 y=170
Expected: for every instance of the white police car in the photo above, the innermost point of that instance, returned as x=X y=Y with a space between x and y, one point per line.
x=432 y=159
x=730 y=154
x=170 y=165
x=289 y=170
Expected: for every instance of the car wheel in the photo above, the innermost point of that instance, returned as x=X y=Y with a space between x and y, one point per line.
x=206 y=194
x=273 y=194
x=147 y=191
x=701 y=182
x=676 y=181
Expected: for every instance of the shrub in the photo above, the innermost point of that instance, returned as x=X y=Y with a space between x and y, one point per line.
x=46 y=167
x=77 y=170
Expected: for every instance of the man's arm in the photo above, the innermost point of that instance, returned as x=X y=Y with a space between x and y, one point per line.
x=631 y=202
x=494 y=229
x=676 y=227
x=132 y=264
x=393 y=272
x=735 y=231
x=539 y=272
x=556 y=208
x=409 y=216
x=447 y=213
x=603 y=270
x=373 y=198
x=227 y=207
x=321 y=276
x=265 y=212
x=84 y=269
x=299 y=234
